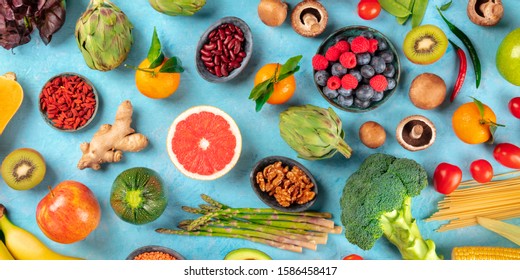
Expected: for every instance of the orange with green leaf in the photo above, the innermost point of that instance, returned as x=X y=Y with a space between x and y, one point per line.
x=474 y=123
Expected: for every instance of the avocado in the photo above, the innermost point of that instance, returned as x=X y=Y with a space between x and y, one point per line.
x=247 y=254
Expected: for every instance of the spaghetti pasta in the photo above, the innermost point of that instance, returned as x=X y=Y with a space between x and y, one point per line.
x=498 y=199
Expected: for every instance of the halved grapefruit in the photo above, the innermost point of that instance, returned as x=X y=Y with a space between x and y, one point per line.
x=204 y=143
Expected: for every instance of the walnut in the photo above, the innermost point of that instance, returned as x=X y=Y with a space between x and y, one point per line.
x=287 y=186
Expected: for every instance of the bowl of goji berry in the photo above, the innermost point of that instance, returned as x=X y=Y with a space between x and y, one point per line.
x=68 y=102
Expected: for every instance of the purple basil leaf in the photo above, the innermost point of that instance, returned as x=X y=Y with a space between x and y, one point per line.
x=49 y=18
x=15 y=22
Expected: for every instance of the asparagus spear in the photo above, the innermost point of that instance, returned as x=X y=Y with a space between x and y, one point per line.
x=264 y=210
x=284 y=246
x=269 y=229
x=258 y=234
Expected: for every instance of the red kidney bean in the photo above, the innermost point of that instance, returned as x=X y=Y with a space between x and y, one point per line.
x=205 y=52
x=224 y=50
x=210 y=47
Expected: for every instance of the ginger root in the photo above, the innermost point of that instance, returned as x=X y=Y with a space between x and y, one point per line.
x=110 y=141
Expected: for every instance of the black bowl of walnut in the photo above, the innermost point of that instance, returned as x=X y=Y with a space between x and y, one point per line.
x=283 y=184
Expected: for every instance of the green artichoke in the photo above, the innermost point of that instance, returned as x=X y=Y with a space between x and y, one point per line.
x=313 y=132
x=104 y=35
x=177 y=7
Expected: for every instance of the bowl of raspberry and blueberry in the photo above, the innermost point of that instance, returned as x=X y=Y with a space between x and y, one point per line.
x=356 y=69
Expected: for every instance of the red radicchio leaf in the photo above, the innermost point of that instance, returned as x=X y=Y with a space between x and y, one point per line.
x=49 y=18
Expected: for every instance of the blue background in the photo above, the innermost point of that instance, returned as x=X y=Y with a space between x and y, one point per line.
x=35 y=63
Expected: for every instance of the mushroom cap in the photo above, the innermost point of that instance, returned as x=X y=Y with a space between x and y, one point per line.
x=427 y=91
x=487 y=14
x=372 y=134
x=309 y=18
x=415 y=133
x=272 y=12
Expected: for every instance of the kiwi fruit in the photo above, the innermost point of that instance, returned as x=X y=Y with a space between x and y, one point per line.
x=425 y=44
x=23 y=169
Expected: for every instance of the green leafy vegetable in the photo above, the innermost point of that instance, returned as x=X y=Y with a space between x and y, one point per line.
x=261 y=92
x=444 y=7
x=395 y=8
x=419 y=9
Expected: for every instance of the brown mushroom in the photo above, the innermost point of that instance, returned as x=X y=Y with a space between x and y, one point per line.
x=415 y=133
x=485 y=12
x=272 y=12
x=372 y=134
x=309 y=18
x=427 y=91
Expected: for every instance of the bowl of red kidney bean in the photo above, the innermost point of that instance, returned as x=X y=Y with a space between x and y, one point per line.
x=224 y=50
x=68 y=102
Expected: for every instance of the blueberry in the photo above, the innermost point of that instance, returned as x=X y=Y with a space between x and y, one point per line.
x=345 y=101
x=365 y=81
x=363 y=58
x=339 y=38
x=389 y=71
x=378 y=63
x=391 y=84
x=330 y=93
x=367 y=34
x=338 y=70
x=345 y=92
x=350 y=39
x=387 y=56
x=364 y=92
x=381 y=44
x=356 y=74
x=367 y=71
x=363 y=104
x=321 y=77
x=377 y=96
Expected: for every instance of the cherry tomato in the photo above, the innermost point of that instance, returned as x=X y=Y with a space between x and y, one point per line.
x=368 y=9
x=514 y=107
x=508 y=155
x=353 y=257
x=481 y=170
x=446 y=177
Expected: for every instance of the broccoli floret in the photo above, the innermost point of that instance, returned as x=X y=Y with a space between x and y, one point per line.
x=377 y=200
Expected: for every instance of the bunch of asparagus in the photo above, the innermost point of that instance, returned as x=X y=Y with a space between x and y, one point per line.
x=283 y=230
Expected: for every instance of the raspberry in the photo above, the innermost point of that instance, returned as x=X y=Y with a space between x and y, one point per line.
x=372 y=45
x=332 y=54
x=379 y=83
x=360 y=44
x=342 y=46
x=348 y=60
x=334 y=82
x=349 y=82
x=319 y=62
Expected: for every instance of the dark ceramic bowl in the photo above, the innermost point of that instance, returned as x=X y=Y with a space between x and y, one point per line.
x=271 y=200
x=154 y=248
x=46 y=118
x=352 y=31
x=247 y=48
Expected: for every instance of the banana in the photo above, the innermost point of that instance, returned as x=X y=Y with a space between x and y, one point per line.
x=4 y=253
x=23 y=245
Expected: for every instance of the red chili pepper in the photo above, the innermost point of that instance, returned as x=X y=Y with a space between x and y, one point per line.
x=463 y=65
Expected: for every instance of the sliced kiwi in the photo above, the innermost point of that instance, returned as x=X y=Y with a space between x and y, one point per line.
x=425 y=44
x=23 y=169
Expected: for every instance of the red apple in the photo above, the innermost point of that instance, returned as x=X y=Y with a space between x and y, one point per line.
x=69 y=213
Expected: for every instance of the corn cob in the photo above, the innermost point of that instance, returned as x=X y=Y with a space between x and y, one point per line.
x=485 y=253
